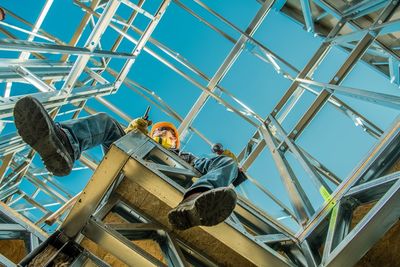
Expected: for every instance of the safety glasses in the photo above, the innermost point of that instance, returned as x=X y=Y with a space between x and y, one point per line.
x=166 y=129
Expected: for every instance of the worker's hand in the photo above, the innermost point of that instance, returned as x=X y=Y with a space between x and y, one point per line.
x=229 y=153
x=138 y=124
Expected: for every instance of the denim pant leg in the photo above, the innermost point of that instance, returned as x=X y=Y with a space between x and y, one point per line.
x=217 y=172
x=87 y=132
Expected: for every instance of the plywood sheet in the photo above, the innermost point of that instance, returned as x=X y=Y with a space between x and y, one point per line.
x=14 y=250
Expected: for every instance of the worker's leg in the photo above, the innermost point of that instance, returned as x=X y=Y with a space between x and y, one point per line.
x=217 y=172
x=87 y=132
x=60 y=144
x=209 y=200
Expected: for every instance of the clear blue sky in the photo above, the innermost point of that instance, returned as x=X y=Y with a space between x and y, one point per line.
x=331 y=137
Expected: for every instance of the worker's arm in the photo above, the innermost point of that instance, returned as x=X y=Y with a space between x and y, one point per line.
x=188 y=157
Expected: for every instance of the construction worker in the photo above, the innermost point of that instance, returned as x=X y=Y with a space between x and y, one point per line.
x=207 y=202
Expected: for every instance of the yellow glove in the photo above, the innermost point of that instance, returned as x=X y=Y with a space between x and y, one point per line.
x=229 y=153
x=139 y=124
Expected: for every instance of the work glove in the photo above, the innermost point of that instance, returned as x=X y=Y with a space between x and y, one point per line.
x=138 y=124
x=229 y=153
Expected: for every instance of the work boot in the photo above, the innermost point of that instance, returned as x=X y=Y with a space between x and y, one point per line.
x=208 y=208
x=38 y=130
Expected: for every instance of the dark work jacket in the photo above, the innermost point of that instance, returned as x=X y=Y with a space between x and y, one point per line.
x=190 y=158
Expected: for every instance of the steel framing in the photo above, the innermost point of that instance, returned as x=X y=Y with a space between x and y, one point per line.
x=88 y=76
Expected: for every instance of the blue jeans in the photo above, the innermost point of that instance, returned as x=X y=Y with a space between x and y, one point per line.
x=101 y=129
x=217 y=172
x=87 y=132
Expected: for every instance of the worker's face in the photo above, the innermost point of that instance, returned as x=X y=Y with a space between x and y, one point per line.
x=167 y=135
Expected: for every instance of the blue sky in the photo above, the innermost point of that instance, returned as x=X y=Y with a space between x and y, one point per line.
x=331 y=137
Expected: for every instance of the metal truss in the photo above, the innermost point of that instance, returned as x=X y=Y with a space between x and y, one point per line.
x=133 y=158
x=15 y=227
x=330 y=227
x=65 y=75
x=137 y=160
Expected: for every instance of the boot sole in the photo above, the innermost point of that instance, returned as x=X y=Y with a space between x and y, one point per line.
x=209 y=209
x=35 y=128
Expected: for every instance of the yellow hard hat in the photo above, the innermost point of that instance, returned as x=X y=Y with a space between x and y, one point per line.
x=168 y=125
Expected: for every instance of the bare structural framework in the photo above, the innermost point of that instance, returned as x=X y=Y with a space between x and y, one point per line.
x=119 y=217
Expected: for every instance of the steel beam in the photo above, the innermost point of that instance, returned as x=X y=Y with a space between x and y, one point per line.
x=354 y=23
x=6 y=261
x=363 y=8
x=81 y=212
x=273 y=238
x=185 y=76
x=373 y=190
x=127 y=81
x=21 y=45
x=119 y=246
x=80 y=29
x=361 y=174
x=271 y=196
x=250 y=38
x=308 y=69
x=298 y=198
x=5 y=165
x=53 y=99
x=319 y=183
x=387 y=100
x=340 y=75
x=33 y=79
x=223 y=69
x=142 y=42
x=38 y=24
x=20 y=220
x=91 y=44
x=307 y=14
x=394 y=70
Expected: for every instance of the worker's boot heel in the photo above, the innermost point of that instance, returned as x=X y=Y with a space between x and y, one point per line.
x=208 y=208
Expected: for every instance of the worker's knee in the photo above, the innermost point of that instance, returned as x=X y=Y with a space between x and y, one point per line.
x=103 y=116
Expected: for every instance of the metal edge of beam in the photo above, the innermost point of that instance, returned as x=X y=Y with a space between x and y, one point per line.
x=102 y=179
